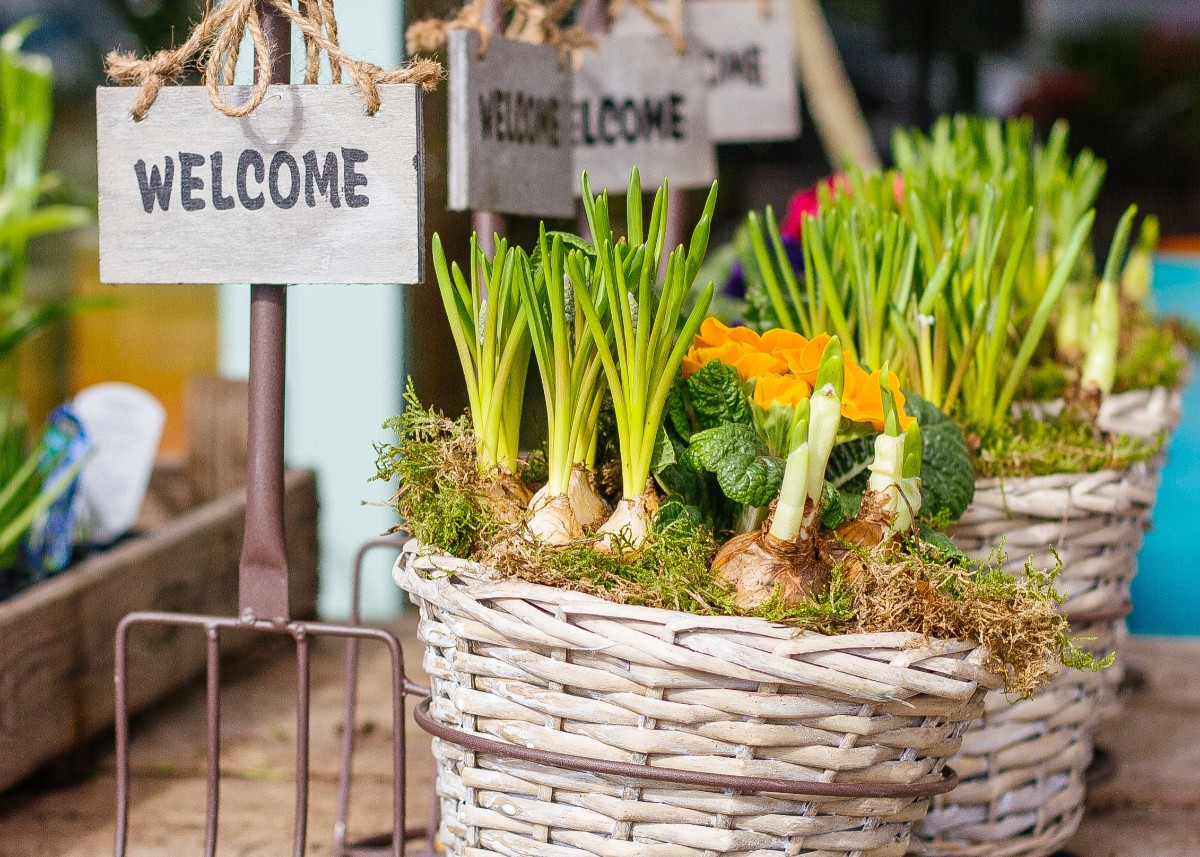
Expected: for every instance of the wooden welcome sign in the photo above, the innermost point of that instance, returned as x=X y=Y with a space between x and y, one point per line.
x=305 y=189
x=640 y=104
x=750 y=68
x=510 y=127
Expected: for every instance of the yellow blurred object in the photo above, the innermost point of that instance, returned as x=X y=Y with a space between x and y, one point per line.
x=156 y=337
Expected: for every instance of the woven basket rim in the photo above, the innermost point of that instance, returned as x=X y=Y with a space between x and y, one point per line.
x=1055 y=480
x=483 y=589
x=770 y=651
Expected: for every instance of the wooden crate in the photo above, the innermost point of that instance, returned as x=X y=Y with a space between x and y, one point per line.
x=56 y=639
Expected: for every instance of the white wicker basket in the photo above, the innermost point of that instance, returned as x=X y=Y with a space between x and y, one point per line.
x=1023 y=766
x=1135 y=413
x=1023 y=762
x=1095 y=521
x=1141 y=413
x=857 y=727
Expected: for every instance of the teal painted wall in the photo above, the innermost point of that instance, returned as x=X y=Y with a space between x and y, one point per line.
x=1166 y=591
x=345 y=367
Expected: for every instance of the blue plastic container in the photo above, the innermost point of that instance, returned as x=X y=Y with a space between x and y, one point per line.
x=1166 y=590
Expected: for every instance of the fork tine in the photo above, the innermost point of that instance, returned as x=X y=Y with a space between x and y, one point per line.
x=302 y=712
x=122 y=733
x=213 y=703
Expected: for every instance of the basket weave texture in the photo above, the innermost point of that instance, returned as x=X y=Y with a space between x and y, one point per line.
x=1141 y=413
x=1022 y=765
x=555 y=670
x=1023 y=762
x=1137 y=413
x=1095 y=521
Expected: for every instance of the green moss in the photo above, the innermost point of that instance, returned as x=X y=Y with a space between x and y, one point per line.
x=926 y=587
x=441 y=497
x=669 y=571
x=946 y=596
x=1150 y=360
x=1065 y=444
x=1048 y=381
x=828 y=612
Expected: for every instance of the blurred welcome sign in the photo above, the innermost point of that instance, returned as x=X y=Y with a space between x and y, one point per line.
x=510 y=127
x=639 y=103
x=750 y=68
x=306 y=189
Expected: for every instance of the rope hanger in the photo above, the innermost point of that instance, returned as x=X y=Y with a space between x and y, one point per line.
x=216 y=41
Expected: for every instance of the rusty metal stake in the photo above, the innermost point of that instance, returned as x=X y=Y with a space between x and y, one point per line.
x=263 y=578
x=487 y=225
x=378 y=845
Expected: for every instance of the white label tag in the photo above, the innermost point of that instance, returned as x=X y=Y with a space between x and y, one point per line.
x=125 y=425
x=639 y=104
x=510 y=128
x=306 y=189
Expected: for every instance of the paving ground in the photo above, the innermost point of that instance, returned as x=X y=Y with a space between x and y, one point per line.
x=1151 y=809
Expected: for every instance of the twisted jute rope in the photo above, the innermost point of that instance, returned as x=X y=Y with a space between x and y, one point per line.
x=216 y=41
x=529 y=21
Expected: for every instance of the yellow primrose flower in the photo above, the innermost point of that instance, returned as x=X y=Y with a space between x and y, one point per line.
x=784 y=389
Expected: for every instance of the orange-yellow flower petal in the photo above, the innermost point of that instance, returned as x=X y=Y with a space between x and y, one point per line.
x=753 y=364
x=784 y=389
x=714 y=332
x=805 y=361
x=862 y=399
x=777 y=339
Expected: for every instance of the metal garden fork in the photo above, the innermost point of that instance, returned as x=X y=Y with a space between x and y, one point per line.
x=263 y=575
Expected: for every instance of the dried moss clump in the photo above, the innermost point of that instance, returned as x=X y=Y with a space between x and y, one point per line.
x=1064 y=444
x=918 y=587
x=442 y=497
x=943 y=595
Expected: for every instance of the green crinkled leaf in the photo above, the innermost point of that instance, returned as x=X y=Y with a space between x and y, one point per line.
x=833 y=508
x=676 y=409
x=673 y=509
x=685 y=484
x=848 y=463
x=745 y=469
x=941 y=542
x=715 y=393
x=947 y=472
x=664 y=451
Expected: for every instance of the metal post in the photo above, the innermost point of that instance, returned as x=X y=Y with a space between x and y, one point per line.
x=489 y=224
x=263 y=576
x=593 y=17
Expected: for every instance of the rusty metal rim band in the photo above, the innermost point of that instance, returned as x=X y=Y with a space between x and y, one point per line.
x=479 y=744
x=1100 y=614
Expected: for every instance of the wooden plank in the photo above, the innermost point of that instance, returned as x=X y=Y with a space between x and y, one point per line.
x=56 y=639
x=750 y=64
x=638 y=103
x=217 y=421
x=306 y=189
x=39 y=656
x=510 y=128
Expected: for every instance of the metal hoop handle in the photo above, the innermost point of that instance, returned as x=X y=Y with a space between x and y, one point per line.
x=479 y=744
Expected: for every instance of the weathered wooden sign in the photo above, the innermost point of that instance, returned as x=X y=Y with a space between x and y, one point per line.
x=638 y=103
x=306 y=189
x=750 y=68
x=510 y=128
